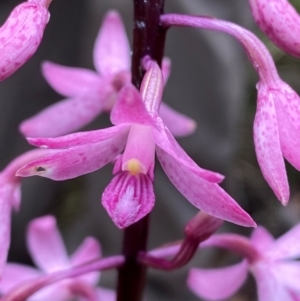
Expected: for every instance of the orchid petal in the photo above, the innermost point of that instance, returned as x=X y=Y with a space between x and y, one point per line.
x=62 y=118
x=178 y=124
x=171 y=150
x=289 y=133
x=289 y=101
x=89 y=250
x=75 y=161
x=46 y=246
x=268 y=284
x=80 y=138
x=5 y=218
x=289 y=274
x=15 y=274
x=128 y=198
x=261 y=239
x=287 y=245
x=70 y=81
x=152 y=87
x=166 y=68
x=280 y=21
x=111 y=50
x=130 y=108
x=21 y=35
x=217 y=284
x=203 y=194
x=267 y=145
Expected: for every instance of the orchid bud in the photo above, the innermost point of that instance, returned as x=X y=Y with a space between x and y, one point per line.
x=21 y=35
x=279 y=20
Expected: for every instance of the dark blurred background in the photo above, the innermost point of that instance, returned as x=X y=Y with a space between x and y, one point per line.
x=211 y=81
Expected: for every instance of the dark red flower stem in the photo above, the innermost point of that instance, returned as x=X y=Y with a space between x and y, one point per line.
x=148 y=39
x=148 y=35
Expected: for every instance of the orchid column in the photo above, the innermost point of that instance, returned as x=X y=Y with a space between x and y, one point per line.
x=148 y=39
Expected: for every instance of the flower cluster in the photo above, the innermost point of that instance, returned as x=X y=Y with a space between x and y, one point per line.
x=143 y=127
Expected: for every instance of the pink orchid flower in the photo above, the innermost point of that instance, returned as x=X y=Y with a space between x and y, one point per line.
x=279 y=20
x=89 y=93
x=21 y=35
x=277 y=120
x=48 y=252
x=140 y=133
x=10 y=197
x=271 y=262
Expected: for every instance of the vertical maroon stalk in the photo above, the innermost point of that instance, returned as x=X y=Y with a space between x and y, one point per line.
x=148 y=39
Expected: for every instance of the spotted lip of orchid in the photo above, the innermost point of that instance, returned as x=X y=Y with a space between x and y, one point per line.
x=272 y=263
x=279 y=20
x=49 y=254
x=89 y=93
x=21 y=35
x=139 y=132
x=276 y=134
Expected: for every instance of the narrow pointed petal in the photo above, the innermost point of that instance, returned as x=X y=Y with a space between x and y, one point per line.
x=70 y=81
x=63 y=117
x=267 y=145
x=287 y=245
x=178 y=124
x=289 y=133
x=262 y=240
x=218 y=284
x=89 y=250
x=130 y=108
x=152 y=88
x=80 y=138
x=166 y=68
x=171 y=150
x=128 y=198
x=5 y=218
x=268 y=285
x=21 y=35
x=204 y=195
x=111 y=50
x=75 y=161
x=46 y=246
x=280 y=21
x=287 y=100
x=15 y=274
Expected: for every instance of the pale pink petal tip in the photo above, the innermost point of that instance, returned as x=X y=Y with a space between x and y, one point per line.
x=90 y=249
x=217 y=284
x=128 y=198
x=46 y=245
x=178 y=124
x=111 y=49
